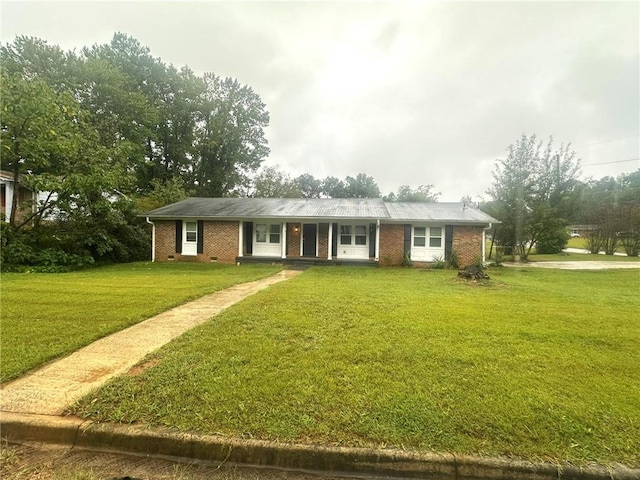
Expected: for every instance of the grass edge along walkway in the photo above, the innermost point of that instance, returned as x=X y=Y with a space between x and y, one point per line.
x=48 y=315
x=52 y=388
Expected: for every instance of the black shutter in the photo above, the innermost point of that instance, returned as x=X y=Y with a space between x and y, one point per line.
x=178 y=236
x=372 y=239
x=334 y=240
x=448 y=240
x=200 y=236
x=407 y=238
x=248 y=238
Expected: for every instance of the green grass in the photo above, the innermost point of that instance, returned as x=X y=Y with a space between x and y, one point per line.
x=536 y=364
x=45 y=316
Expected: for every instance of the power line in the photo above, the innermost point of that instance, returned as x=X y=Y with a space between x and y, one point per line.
x=615 y=161
x=605 y=141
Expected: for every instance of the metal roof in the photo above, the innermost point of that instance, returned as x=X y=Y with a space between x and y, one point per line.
x=457 y=212
x=320 y=208
x=371 y=208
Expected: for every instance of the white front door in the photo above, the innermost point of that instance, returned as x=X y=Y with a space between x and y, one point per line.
x=190 y=238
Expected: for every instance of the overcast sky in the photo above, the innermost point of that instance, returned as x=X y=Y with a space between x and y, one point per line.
x=409 y=93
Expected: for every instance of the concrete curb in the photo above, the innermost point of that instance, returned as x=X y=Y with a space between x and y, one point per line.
x=127 y=439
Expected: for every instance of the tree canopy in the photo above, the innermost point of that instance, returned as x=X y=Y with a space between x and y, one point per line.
x=531 y=194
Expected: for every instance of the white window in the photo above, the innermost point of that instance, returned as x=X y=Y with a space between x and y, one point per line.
x=268 y=240
x=268 y=233
x=345 y=234
x=361 y=235
x=419 y=236
x=427 y=243
x=274 y=233
x=261 y=233
x=191 y=232
x=435 y=237
x=353 y=235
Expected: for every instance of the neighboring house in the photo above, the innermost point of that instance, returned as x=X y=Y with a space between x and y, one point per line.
x=28 y=200
x=337 y=230
x=26 y=197
x=581 y=230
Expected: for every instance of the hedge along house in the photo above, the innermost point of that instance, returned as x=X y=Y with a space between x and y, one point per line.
x=333 y=230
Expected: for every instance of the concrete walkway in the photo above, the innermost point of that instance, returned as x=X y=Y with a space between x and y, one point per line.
x=52 y=388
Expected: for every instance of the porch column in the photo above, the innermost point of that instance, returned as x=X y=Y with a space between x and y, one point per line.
x=284 y=240
x=330 y=241
x=240 y=237
x=377 y=256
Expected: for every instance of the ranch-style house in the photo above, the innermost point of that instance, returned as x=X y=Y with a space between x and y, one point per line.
x=327 y=230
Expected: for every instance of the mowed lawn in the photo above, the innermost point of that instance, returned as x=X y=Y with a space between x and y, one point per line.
x=45 y=316
x=536 y=364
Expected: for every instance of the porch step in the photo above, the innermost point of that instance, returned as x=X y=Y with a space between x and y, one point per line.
x=306 y=262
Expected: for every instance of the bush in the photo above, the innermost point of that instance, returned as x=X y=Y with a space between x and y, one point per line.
x=438 y=263
x=453 y=259
x=552 y=241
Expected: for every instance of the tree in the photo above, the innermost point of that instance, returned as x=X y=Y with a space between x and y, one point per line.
x=308 y=186
x=407 y=194
x=272 y=182
x=611 y=207
x=333 y=187
x=231 y=142
x=362 y=186
x=530 y=191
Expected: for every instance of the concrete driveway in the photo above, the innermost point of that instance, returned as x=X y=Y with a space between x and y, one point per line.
x=586 y=265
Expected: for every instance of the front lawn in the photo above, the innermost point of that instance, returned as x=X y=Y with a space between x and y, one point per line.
x=46 y=315
x=540 y=364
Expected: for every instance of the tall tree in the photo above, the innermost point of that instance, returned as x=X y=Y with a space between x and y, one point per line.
x=529 y=191
x=231 y=142
x=361 y=186
x=272 y=182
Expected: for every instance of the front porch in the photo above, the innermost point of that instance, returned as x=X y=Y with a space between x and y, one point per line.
x=307 y=261
x=293 y=241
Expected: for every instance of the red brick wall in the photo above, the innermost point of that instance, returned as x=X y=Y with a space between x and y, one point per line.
x=467 y=243
x=391 y=244
x=293 y=240
x=323 y=240
x=165 y=239
x=220 y=242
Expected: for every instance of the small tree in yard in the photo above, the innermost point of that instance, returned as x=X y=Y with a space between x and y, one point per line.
x=531 y=191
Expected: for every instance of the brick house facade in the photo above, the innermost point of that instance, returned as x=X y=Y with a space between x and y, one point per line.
x=317 y=231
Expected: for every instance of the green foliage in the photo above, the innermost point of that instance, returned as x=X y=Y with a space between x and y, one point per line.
x=406 y=260
x=552 y=238
x=611 y=209
x=531 y=192
x=439 y=263
x=499 y=257
x=478 y=263
x=405 y=193
x=453 y=261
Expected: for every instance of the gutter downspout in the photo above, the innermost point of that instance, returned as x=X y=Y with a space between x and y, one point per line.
x=153 y=239
x=377 y=249
x=484 y=243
